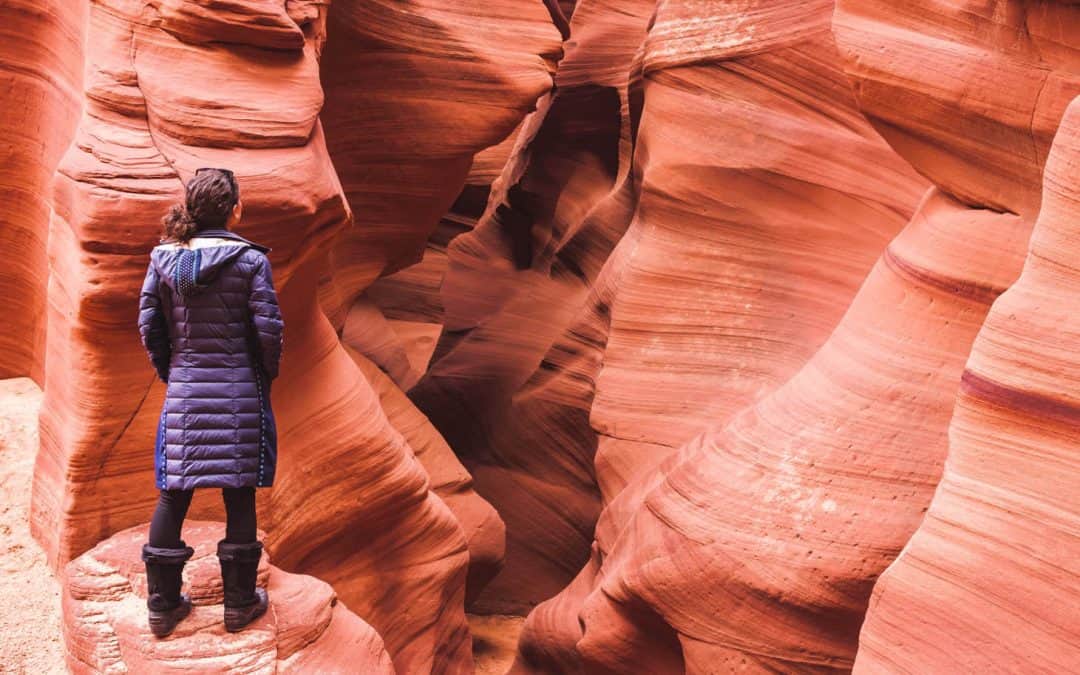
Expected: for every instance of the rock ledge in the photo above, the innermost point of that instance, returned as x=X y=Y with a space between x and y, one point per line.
x=305 y=629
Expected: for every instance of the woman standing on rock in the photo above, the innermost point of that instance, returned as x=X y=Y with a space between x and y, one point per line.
x=209 y=319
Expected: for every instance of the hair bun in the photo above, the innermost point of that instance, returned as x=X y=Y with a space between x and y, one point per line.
x=179 y=224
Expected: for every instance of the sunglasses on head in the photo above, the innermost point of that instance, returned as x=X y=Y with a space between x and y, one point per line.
x=229 y=174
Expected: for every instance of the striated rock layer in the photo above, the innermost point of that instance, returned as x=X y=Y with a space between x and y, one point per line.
x=790 y=511
x=403 y=146
x=757 y=544
x=991 y=579
x=41 y=43
x=413 y=90
x=970 y=93
x=304 y=630
x=748 y=241
x=713 y=296
x=689 y=350
x=352 y=504
x=514 y=285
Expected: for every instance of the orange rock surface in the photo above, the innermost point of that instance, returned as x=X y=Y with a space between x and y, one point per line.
x=714 y=336
x=349 y=484
x=513 y=286
x=757 y=544
x=413 y=90
x=992 y=576
x=305 y=629
x=41 y=44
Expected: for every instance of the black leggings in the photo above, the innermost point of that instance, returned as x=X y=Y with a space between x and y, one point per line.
x=173 y=505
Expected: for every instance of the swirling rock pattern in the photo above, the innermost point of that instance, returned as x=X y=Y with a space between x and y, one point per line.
x=791 y=510
x=723 y=292
x=304 y=630
x=41 y=46
x=403 y=146
x=513 y=288
x=149 y=121
x=978 y=122
x=748 y=549
x=688 y=349
x=991 y=578
x=413 y=90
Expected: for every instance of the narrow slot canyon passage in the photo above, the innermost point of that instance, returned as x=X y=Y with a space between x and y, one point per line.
x=619 y=337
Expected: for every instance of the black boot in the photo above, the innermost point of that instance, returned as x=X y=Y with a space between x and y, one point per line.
x=239 y=569
x=164 y=575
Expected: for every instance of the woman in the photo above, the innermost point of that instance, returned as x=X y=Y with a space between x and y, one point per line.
x=209 y=319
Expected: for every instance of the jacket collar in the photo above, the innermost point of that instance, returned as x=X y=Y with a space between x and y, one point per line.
x=222 y=233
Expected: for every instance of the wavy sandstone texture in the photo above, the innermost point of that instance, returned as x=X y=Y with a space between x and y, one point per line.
x=757 y=544
x=149 y=121
x=41 y=44
x=746 y=247
x=513 y=286
x=305 y=629
x=992 y=575
x=516 y=403
x=413 y=90
x=672 y=296
x=402 y=145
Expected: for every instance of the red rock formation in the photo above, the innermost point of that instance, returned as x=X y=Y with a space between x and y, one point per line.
x=758 y=543
x=484 y=530
x=746 y=247
x=658 y=313
x=514 y=284
x=989 y=581
x=305 y=629
x=41 y=45
x=413 y=90
x=970 y=93
x=483 y=68
x=349 y=485
x=790 y=511
x=984 y=137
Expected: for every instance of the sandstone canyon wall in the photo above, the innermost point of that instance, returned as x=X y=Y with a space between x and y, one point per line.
x=515 y=283
x=672 y=324
x=991 y=576
x=756 y=546
x=353 y=504
x=514 y=395
x=41 y=60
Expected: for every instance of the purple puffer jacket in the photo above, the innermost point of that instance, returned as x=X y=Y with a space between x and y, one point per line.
x=209 y=319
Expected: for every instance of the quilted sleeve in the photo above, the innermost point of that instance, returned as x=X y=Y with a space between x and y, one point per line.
x=153 y=327
x=266 y=317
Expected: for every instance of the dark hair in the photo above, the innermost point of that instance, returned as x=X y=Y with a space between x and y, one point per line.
x=210 y=197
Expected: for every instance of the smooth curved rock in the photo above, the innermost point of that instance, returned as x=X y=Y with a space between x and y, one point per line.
x=484 y=529
x=413 y=90
x=343 y=469
x=970 y=93
x=790 y=511
x=658 y=313
x=991 y=580
x=41 y=58
x=757 y=544
x=304 y=630
x=514 y=287
x=756 y=221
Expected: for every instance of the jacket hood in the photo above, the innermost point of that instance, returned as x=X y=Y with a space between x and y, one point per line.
x=189 y=270
x=232 y=236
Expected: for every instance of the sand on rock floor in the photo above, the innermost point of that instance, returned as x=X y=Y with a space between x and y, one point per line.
x=30 y=639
